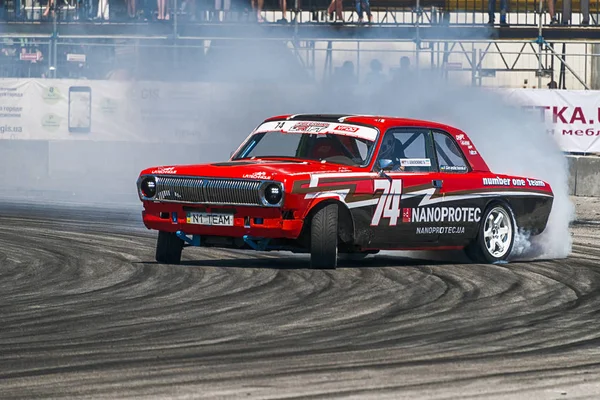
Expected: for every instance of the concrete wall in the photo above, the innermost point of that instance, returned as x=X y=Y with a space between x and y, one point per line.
x=585 y=175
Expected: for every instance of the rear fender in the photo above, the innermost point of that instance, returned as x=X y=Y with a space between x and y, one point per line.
x=530 y=213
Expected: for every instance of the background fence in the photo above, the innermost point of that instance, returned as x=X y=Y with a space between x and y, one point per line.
x=515 y=64
x=520 y=12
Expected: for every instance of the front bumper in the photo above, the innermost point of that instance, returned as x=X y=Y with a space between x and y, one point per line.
x=263 y=222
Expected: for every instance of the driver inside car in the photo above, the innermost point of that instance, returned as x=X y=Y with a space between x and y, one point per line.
x=391 y=149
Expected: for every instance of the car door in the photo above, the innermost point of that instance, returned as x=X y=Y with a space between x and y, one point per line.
x=401 y=188
x=461 y=205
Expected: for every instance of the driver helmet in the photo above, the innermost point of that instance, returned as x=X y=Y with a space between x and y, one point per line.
x=387 y=147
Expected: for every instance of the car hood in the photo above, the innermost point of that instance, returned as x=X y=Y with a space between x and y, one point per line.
x=252 y=169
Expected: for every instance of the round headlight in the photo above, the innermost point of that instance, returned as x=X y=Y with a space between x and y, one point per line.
x=273 y=194
x=148 y=186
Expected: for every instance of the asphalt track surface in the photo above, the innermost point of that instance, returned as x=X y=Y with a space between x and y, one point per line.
x=85 y=312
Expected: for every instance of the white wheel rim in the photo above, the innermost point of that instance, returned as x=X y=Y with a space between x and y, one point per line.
x=497 y=232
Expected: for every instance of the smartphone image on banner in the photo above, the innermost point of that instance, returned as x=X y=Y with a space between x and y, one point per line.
x=80 y=109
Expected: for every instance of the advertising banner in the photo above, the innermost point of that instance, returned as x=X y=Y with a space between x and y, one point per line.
x=572 y=116
x=103 y=111
x=47 y=109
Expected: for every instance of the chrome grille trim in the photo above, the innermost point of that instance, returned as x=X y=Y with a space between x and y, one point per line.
x=217 y=191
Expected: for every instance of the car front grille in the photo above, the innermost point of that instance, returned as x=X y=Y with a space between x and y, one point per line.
x=208 y=190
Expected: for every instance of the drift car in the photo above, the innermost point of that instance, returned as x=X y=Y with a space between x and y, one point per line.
x=337 y=184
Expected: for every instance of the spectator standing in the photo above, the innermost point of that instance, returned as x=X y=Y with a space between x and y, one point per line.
x=503 y=11
x=366 y=8
x=49 y=5
x=343 y=80
x=283 y=6
x=162 y=13
x=17 y=5
x=375 y=81
x=103 y=10
x=257 y=6
x=553 y=20
x=567 y=10
x=131 y=10
x=375 y=77
x=403 y=74
x=337 y=6
x=222 y=7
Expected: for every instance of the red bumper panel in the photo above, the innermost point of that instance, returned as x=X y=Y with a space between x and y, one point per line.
x=253 y=221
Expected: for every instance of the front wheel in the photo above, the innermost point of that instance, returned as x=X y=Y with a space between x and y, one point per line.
x=496 y=235
x=324 y=237
x=168 y=248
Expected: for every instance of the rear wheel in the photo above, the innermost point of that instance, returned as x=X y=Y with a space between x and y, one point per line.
x=496 y=235
x=324 y=237
x=168 y=248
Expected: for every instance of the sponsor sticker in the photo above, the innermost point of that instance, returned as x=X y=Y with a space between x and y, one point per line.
x=346 y=128
x=165 y=170
x=536 y=182
x=460 y=137
x=430 y=230
x=313 y=127
x=257 y=175
x=453 y=168
x=473 y=152
x=415 y=162
x=406 y=214
x=497 y=181
x=441 y=214
x=465 y=143
x=318 y=127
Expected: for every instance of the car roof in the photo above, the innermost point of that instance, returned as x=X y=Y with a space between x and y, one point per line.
x=383 y=123
x=379 y=121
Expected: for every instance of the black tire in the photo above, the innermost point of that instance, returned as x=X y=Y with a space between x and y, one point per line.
x=324 y=237
x=479 y=250
x=168 y=248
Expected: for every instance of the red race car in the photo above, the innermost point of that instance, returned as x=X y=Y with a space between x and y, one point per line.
x=338 y=184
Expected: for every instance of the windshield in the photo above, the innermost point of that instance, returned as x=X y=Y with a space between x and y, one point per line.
x=332 y=148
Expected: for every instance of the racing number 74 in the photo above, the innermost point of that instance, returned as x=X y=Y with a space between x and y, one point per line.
x=389 y=202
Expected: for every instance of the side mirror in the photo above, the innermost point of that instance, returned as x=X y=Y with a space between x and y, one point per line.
x=385 y=164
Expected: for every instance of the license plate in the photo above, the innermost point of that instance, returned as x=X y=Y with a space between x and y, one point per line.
x=198 y=218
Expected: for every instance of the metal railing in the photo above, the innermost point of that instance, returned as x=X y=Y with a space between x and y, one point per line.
x=385 y=12
x=516 y=63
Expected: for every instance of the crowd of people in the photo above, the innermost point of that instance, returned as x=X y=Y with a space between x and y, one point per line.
x=229 y=10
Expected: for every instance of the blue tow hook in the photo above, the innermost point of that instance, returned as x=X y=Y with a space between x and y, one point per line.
x=193 y=241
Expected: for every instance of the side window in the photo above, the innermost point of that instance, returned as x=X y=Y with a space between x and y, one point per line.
x=449 y=156
x=409 y=150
